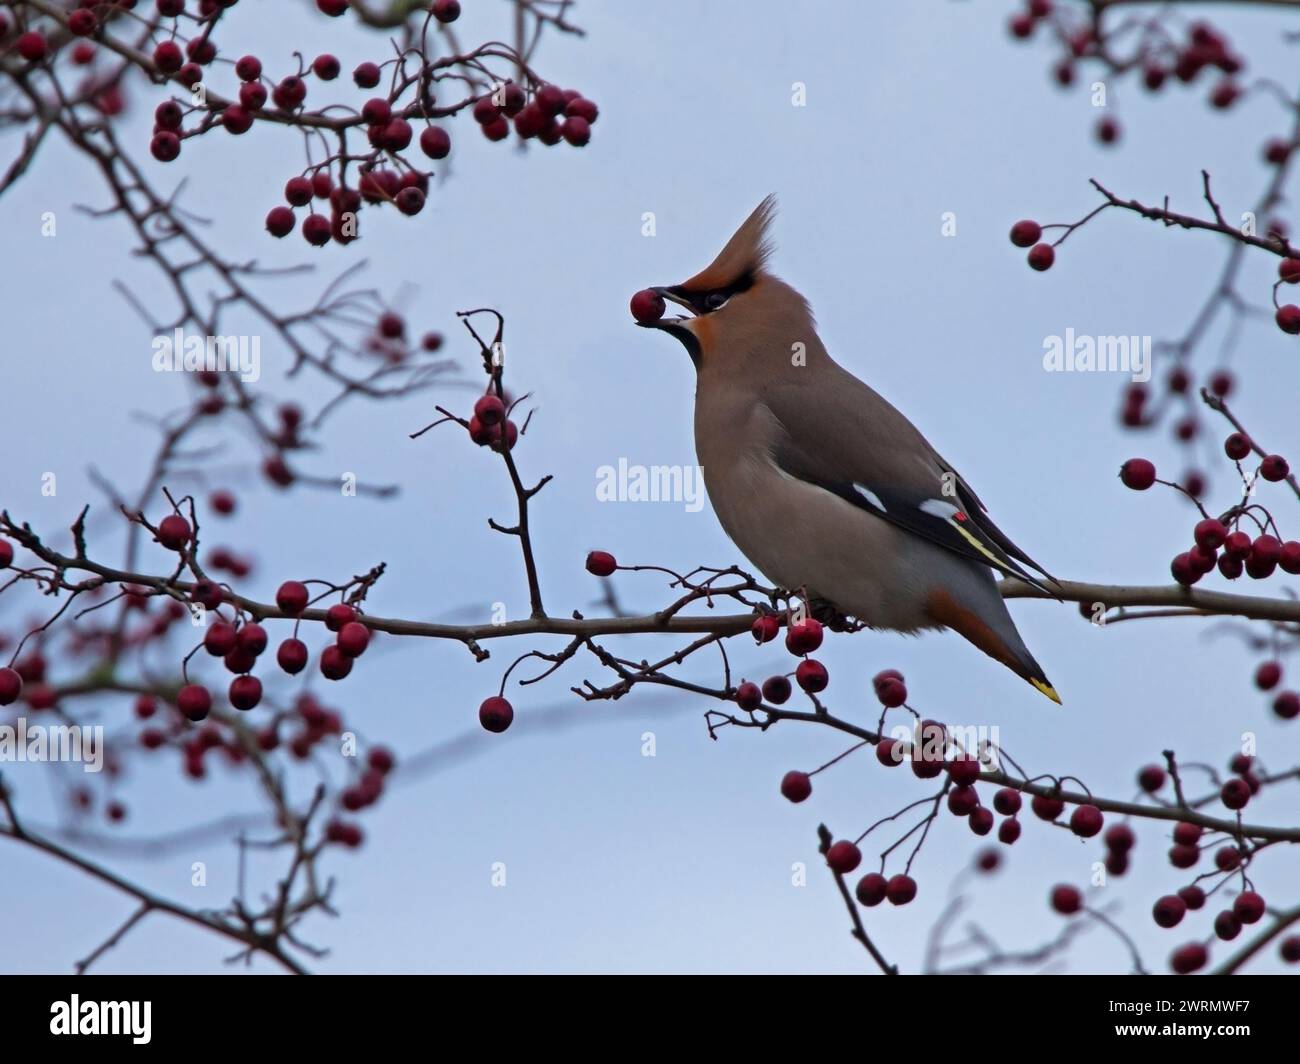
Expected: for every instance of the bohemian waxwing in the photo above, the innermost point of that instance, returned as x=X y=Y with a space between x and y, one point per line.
x=823 y=485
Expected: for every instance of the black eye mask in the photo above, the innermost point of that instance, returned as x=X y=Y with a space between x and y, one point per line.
x=715 y=299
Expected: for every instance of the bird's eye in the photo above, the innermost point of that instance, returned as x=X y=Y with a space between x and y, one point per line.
x=714 y=300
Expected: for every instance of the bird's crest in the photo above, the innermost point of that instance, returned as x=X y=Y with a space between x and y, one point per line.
x=745 y=253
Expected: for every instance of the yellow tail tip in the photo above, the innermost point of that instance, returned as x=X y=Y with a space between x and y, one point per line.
x=1047 y=689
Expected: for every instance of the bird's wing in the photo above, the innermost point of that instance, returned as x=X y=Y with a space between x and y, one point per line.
x=839 y=434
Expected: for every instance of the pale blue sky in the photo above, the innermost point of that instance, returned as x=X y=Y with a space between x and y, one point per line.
x=682 y=862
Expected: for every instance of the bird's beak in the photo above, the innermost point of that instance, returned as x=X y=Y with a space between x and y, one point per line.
x=673 y=295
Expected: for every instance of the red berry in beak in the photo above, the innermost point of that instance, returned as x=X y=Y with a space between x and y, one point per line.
x=648 y=305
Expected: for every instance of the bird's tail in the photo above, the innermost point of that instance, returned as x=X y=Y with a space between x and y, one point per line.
x=996 y=635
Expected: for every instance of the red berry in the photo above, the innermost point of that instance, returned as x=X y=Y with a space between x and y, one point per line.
x=316 y=230
x=495 y=714
x=490 y=410
x=1237 y=446
x=292 y=656
x=446 y=10
x=1138 y=474
x=796 y=786
x=1025 y=233
x=811 y=676
x=1210 y=533
x=1086 y=821
x=748 y=696
x=765 y=628
x=1287 y=705
x=1119 y=838
x=1184 y=856
x=167 y=56
x=334 y=664
x=1046 y=808
x=1193 y=896
x=194 y=701
x=576 y=130
x=1041 y=257
x=1009 y=831
x=366 y=75
x=1187 y=834
x=890 y=752
x=292 y=597
x=33 y=47
x=174 y=532
x=1235 y=794
x=1184 y=571
x=871 y=889
x=550 y=99
x=220 y=639
x=965 y=770
x=892 y=693
x=353 y=639
x=1288 y=318
x=245 y=692
x=1237 y=545
x=279 y=221
x=338 y=615
x=804 y=637
x=1169 y=910
x=1021 y=26
x=1226 y=858
x=298 y=191
x=843 y=857
x=1189 y=958
x=777 y=690
x=82 y=23
x=981 y=821
x=1227 y=925
x=648 y=305
x=248 y=68
x=1274 y=468
x=1290 y=560
x=333 y=8
x=434 y=142
x=326 y=67
x=1151 y=778
x=900 y=889
x=1289 y=949
x=1108 y=130
x=1007 y=801
x=1066 y=900
x=11 y=686
x=963 y=800
x=582 y=108
x=1248 y=907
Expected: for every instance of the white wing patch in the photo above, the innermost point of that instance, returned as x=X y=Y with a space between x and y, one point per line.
x=871 y=497
x=945 y=511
